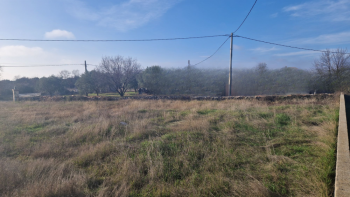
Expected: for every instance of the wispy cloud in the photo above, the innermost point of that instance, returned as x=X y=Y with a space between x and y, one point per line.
x=299 y=53
x=236 y=47
x=124 y=16
x=264 y=50
x=59 y=34
x=332 y=10
x=337 y=38
x=294 y=8
x=274 y=15
x=21 y=55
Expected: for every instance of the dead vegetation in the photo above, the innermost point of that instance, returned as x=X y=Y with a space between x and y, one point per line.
x=167 y=148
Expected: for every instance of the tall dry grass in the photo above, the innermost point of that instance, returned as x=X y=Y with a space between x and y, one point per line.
x=167 y=148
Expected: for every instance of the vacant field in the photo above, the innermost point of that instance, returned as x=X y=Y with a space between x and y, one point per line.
x=168 y=148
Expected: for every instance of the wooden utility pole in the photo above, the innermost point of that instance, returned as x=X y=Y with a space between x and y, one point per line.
x=189 y=63
x=86 y=72
x=230 y=75
x=85 y=67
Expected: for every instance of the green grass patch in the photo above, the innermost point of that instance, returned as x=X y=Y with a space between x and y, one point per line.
x=206 y=111
x=282 y=119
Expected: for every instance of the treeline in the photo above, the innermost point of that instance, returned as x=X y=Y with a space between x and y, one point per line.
x=53 y=85
x=330 y=73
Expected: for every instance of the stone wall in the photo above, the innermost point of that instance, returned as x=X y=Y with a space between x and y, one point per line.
x=185 y=98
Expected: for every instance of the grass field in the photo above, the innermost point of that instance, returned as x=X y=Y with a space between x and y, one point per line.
x=168 y=148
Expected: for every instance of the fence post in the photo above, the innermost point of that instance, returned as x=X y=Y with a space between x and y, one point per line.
x=15 y=95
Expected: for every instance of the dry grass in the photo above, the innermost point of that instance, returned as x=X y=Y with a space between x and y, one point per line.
x=167 y=148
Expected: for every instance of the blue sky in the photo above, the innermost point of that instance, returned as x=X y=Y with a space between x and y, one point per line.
x=318 y=24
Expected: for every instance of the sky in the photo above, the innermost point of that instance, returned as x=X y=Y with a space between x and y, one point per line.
x=316 y=24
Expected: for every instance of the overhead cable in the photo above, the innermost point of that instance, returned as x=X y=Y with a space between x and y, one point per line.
x=301 y=48
x=44 y=65
x=246 y=16
x=213 y=53
x=132 y=40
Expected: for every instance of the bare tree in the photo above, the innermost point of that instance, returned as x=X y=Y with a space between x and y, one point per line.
x=262 y=68
x=332 y=69
x=64 y=74
x=76 y=73
x=119 y=72
x=16 y=77
x=261 y=77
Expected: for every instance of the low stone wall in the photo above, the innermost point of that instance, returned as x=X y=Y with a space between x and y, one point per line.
x=184 y=98
x=342 y=177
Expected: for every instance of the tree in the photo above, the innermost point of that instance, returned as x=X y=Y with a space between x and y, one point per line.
x=262 y=68
x=26 y=85
x=261 y=79
x=119 y=72
x=134 y=84
x=16 y=77
x=332 y=70
x=76 y=73
x=84 y=84
x=64 y=74
x=97 y=81
x=92 y=81
x=153 y=79
x=50 y=85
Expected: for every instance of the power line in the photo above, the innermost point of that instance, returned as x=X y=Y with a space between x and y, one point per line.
x=301 y=48
x=213 y=53
x=45 y=65
x=133 y=40
x=252 y=39
x=246 y=17
x=97 y=65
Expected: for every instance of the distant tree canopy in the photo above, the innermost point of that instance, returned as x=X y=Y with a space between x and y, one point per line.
x=76 y=73
x=183 y=81
x=64 y=74
x=92 y=81
x=154 y=79
x=84 y=84
x=263 y=81
x=330 y=73
x=51 y=85
x=256 y=81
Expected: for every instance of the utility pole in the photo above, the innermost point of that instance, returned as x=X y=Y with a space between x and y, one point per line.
x=86 y=72
x=188 y=81
x=85 y=67
x=230 y=75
